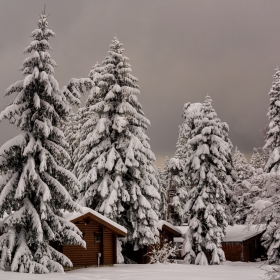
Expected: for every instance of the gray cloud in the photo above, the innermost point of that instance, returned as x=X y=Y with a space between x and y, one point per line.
x=179 y=51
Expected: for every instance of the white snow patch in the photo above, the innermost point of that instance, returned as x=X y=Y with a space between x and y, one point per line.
x=228 y=271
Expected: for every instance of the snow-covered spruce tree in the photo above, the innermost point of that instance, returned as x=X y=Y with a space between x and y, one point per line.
x=257 y=159
x=72 y=126
x=177 y=192
x=165 y=181
x=177 y=184
x=241 y=165
x=35 y=189
x=273 y=136
x=162 y=211
x=71 y=132
x=116 y=168
x=265 y=209
x=241 y=186
x=210 y=176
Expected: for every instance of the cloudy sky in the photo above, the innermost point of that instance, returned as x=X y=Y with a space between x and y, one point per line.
x=179 y=51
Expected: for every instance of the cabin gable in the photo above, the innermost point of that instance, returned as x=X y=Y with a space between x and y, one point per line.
x=101 y=242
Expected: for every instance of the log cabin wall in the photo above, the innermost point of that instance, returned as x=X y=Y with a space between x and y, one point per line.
x=89 y=256
x=253 y=249
x=246 y=251
x=98 y=239
x=109 y=251
x=233 y=251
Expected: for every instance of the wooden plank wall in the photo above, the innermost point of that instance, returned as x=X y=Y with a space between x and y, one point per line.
x=108 y=247
x=233 y=251
x=253 y=249
x=85 y=257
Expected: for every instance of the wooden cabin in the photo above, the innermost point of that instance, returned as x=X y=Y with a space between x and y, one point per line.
x=167 y=232
x=239 y=244
x=100 y=235
x=242 y=244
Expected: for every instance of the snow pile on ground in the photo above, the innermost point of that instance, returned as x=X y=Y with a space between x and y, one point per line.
x=228 y=271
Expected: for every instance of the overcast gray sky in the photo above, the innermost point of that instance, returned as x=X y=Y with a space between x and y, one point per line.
x=179 y=51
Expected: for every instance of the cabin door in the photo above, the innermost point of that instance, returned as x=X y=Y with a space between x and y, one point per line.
x=97 y=240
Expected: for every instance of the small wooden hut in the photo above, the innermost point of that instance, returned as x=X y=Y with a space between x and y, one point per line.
x=239 y=244
x=242 y=244
x=167 y=232
x=100 y=235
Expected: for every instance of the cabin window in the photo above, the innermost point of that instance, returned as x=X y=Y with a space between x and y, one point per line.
x=97 y=237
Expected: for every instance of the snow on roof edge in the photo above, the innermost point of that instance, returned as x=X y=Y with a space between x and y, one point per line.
x=71 y=216
x=162 y=222
x=235 y=233
x=240 y=233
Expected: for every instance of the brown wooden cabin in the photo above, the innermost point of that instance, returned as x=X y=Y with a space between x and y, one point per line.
x=100 y=235
x=241 y=244
x=167 y=232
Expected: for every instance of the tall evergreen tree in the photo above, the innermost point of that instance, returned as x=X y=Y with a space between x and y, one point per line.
x=35 y=188
x=72 y=126
x=241 y=165
x=177 y=191
x=257 y=160
x=162 y=208
x=210 y=176
x=273 y=137
x=241 y=186
x=178 y=184
x=115 y=164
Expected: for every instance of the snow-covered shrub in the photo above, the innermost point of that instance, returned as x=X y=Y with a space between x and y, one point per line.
x=164 y=252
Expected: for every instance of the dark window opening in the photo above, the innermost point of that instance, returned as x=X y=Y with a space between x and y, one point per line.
x=97 y=236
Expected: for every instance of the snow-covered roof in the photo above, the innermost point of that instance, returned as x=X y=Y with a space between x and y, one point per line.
x=85 y=210
x=236 y=233
x=183 y=229
x=162 y=223
x=239 y=233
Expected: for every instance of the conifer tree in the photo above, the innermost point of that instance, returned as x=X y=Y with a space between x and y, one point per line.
x=35 y=189
x=115 y=162
x=178 y=184
x=72 y=126
x=71 y=132
x=257 y=161
x=166 y=182
x=241 y=165
x=273 y=137
x=241 y=186
x=162 y=207
x=177 y=191
x=209 y=166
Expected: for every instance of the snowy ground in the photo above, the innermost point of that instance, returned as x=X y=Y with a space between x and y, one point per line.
x=228 y=271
